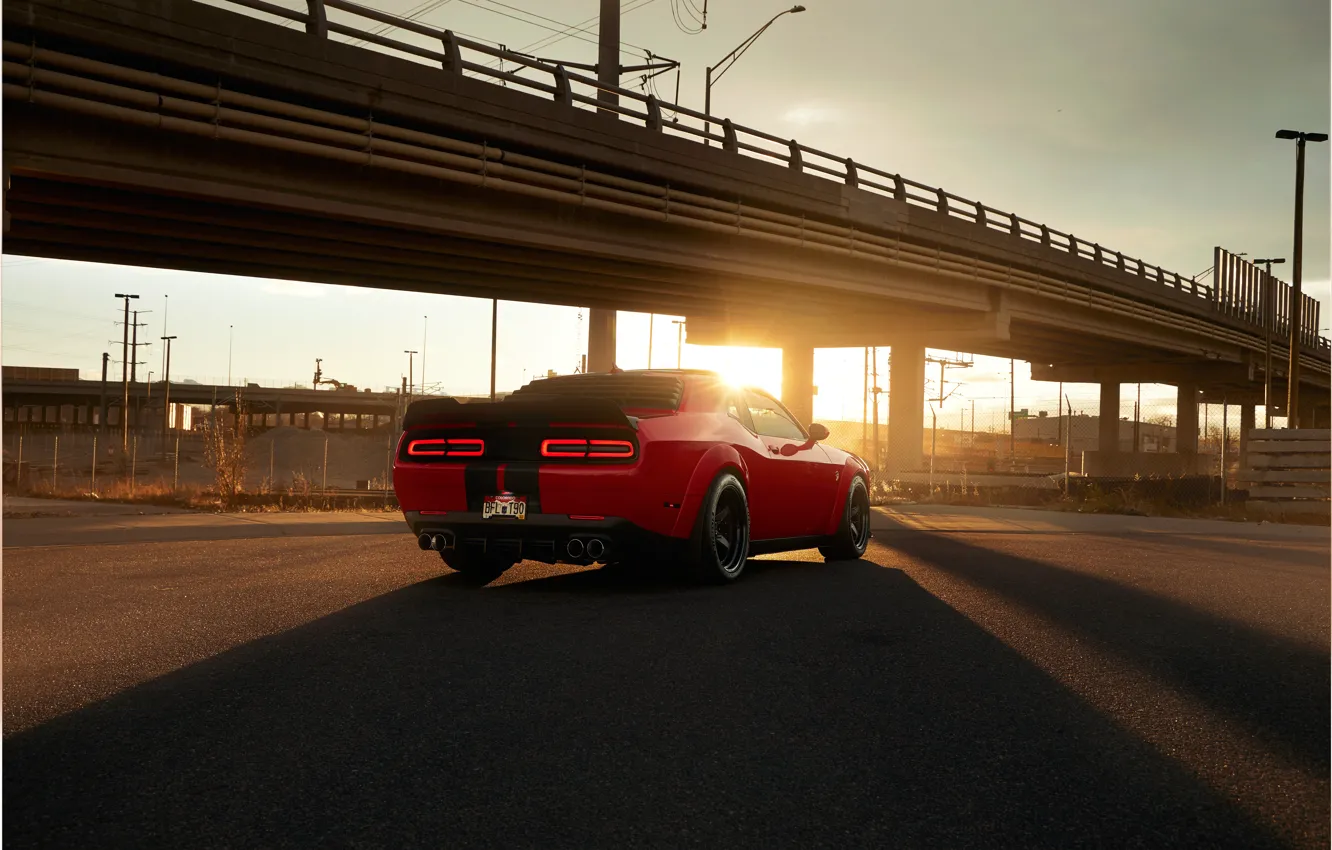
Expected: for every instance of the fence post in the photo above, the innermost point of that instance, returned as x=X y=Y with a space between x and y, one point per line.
x=325 y=487
x=55 y=466
x=796 y=162
x=730 y=143
x=18 y=476
x=272 y=485
x=134 y=464
x=92 y=488
x=175 y=472
x=452 y=55
x=317 y=25
x=564 y=95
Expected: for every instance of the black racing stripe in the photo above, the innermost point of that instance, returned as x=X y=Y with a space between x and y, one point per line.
x=479 y=481
x=523 y=479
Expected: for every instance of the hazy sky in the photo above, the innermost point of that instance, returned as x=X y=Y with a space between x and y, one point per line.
x=1145 y=125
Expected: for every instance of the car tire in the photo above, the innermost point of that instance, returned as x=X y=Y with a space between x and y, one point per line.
x=853 y=534
x=719 y=544
x=479 y=568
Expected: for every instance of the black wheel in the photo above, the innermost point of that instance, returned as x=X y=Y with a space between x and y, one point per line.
x=853 y=534
x=720 y=542
x=479 y=568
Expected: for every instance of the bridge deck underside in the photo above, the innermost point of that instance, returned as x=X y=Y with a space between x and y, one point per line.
x=87 y=189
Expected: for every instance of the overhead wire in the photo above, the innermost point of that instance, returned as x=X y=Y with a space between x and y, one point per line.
x=587 y=27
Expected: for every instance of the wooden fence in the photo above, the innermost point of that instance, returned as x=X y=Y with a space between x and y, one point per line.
x=1289 y=472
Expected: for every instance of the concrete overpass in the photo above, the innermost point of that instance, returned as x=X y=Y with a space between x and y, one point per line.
x=168 y=133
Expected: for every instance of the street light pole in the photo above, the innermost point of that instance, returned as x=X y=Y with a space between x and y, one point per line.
x=1269 y=321
x=1296 y=266
x=166 y=397
x=230 y=336
x=425 y=334
x=744 y=45
x=652 y=320
x=679 y=341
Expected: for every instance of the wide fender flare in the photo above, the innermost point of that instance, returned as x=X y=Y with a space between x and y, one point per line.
x=713 y=461
x=850 y=471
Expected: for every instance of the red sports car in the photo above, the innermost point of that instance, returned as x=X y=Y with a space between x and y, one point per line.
x=609 y=468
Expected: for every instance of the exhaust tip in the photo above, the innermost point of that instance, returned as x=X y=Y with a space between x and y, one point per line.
x=575 y=548
x=595 y=548
x=440 y=542
x=424 y=541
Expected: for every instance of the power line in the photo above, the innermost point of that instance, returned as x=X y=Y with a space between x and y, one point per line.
x=588 y=27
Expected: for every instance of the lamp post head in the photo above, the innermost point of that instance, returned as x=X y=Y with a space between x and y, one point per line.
x=1287 y=134
x=795 y=9
x=1274 y=262
x=1315 y=137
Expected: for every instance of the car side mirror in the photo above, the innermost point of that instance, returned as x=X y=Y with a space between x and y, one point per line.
x=818 y=433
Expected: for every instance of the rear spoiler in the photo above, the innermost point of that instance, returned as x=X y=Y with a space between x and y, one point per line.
x=533 y=410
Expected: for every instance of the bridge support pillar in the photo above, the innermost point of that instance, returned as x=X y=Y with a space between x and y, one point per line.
x=906 y=407
x=1186 y=422
x=1247 y=418
x=600 y=340
x=798 y=382
x=1107 y=438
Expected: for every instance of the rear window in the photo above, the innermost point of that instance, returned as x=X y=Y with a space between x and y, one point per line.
x=657 y=392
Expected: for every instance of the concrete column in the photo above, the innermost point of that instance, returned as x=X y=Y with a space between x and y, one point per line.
x=1247 y=417
x=1107 y=440
x=600 y=340
x=906 y=407
x=360 y=421
x=1186 y=420
x=798 y=382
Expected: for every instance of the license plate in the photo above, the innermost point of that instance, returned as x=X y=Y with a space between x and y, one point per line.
x=504 y=505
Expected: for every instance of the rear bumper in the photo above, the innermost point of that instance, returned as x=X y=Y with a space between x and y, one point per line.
x=540 y=537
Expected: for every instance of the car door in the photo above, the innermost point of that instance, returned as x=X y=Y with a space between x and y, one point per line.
x=781 y=491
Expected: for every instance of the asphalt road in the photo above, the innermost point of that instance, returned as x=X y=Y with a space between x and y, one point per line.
x=992 y=685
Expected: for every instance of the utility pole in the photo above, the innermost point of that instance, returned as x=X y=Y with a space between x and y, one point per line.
x=1137 y=422
x=601 y=321
x=874 y=391
x=1296 y=269
x=101 y=419
x=134 y=366
x=1012 y=410
x=410 y=371
x=166 y=305
x=494 y=332
x=230 y=337
x=166 y=397
x=864 y=401
x=134 y=345
x=124 y=374
x=652 y=320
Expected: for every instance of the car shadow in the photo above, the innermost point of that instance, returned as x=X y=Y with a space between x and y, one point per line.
x=808 y=705
x=1277 y=688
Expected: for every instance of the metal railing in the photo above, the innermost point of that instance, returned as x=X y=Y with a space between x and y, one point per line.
x=577 y=90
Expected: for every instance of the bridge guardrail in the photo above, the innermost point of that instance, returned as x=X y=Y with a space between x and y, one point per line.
x=737 y=139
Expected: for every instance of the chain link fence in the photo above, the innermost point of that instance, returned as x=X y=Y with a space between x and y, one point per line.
x=1003 y=437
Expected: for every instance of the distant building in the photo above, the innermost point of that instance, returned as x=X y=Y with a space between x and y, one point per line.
x=1084 y=432
x=37 y=373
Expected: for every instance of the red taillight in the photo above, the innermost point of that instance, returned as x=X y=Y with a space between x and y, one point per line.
x=446 y=448
x=427 y=448
x=586 y=448
x=564 y=448
x=467 y=448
